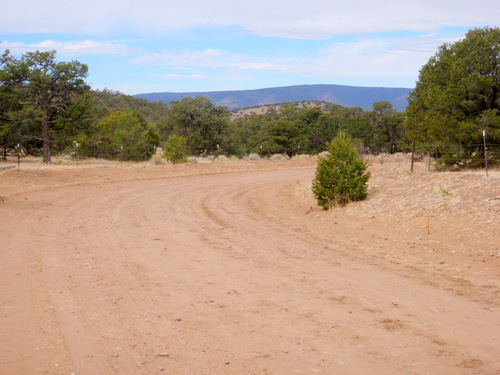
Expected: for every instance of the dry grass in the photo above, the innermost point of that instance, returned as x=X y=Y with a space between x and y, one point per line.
x=60 y=161
x=425 y=197
x=251 y=157
x=279 y=157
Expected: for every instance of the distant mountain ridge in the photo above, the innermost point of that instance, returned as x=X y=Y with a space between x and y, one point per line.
x=347 y=96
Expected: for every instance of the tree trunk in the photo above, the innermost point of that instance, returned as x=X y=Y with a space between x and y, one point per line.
x=412 y=154
x=46 y=140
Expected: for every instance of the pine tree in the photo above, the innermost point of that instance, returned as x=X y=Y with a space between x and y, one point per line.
x=341 y=176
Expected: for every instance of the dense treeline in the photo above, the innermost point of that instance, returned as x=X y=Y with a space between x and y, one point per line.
x=46 y=107
x=296 y=130
x=291 y=130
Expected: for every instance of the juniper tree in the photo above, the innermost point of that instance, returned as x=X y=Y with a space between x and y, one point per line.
x=341 y=176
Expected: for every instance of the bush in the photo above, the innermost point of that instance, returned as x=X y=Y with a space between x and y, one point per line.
x=176 y=149
x=121 y=135
x=341 y=176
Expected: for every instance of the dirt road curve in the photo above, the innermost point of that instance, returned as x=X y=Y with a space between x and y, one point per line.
x=235 y=273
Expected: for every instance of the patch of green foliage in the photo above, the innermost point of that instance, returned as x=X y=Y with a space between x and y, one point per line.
x=341 y=176
x=445 y=193
x=456 y=99
x=121 y=135
x=176 y=149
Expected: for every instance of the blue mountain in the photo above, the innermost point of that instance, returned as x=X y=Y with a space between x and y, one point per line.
x=347 y=96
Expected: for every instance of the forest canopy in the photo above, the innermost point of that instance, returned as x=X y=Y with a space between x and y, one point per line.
x=82 y=122
x=47 y=107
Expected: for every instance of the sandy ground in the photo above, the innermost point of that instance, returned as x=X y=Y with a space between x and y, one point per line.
x=230 y=268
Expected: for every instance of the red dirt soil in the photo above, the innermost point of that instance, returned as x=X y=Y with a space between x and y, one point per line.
x=231 y=268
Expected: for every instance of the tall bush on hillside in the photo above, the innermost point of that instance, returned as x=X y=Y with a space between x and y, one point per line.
x=341 y=176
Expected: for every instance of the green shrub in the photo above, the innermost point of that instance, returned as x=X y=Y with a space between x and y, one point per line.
x=121 y=136
x=341 y=176
x=176 y=149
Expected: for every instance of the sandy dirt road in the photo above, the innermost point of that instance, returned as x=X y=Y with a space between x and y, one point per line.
x=236 y=272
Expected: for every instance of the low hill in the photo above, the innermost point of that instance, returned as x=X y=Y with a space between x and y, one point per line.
x=278 y=107
x=347 y=96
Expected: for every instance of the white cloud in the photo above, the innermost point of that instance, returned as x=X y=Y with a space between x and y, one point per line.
x=77 y=48
x=199 y=43
x=179 y=76
x=130 y=88
x=322 y=19
x=207 y=58
x=372 y=57
x=362 y=57
x=314 y=19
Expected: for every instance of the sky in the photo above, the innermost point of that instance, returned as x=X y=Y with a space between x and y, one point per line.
x=148 y=46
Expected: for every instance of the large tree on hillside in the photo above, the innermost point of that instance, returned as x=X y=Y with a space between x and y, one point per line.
x=45 y=89
x=204 y=125
x=8 y=105
x=387 y=127
x=457 y=96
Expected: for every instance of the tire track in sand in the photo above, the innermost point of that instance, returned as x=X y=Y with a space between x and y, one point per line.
x=214 y=274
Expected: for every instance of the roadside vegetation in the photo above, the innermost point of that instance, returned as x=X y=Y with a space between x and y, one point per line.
x=341 y=175
x=454 y=110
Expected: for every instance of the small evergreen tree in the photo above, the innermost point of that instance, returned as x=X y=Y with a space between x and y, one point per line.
x=341 y=177
x=176 y=149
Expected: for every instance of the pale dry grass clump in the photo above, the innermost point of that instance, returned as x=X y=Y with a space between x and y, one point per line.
x=59 y=162
x=279 y=157
x=221 y=159
x=157 y=159
x=302 y=157
x=201 y=159
x=393 y=190
x=212 y=159
x=251 y=157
